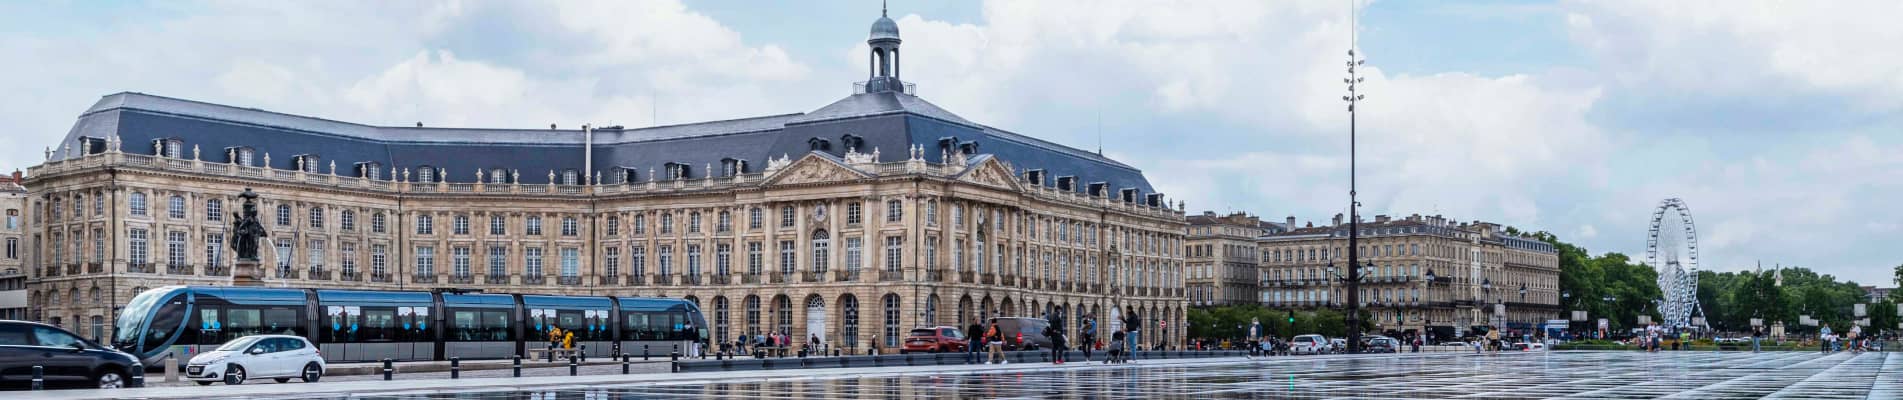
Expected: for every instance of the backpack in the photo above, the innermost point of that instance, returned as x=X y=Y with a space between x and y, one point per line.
x=992 y=334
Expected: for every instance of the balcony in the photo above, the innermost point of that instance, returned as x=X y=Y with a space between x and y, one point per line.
x=662 y=279
x=420 y=278
x=691 y=279
x=607 y=280
x=319 y=274
x=1064 y=286
x=173 y=269
x=133 y=268
x=1009 y=280
x=536 y=280
x=723 y=279
x=637 y=280
x=812 y=277
x=462 y=279
x=95 y=268
x=988 y=279
x=381 y=277
x=217 y=270
x=285 y=273
x=779 y=277
x=348 y=275
x=846 y=276
x=967 y=277
x=72 y=269
x=891 y=276
x=750 y=279
x=569 y=280
x=935 y=275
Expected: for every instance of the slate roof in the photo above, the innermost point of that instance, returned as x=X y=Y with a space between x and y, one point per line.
x=888 y=121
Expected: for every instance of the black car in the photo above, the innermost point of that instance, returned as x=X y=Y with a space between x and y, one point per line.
x=1024 y=333
x=66 y=359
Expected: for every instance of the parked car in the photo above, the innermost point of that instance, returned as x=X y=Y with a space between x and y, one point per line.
x=1337 y=345
x=1380 y=344
x=1308 y=344
x=1024 y=333
x=1528 y=346
x=941 y=339
x=279 y=357
x=66 y=359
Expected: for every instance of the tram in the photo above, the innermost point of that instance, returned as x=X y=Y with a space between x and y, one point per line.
x=369 y=325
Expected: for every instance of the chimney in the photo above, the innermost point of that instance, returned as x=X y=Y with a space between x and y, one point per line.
x=1380 y=219
x=16 y=176
x=1291 y=223
x=1337 y=219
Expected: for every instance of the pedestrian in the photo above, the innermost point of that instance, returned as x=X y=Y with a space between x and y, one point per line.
x=971 y=344
x=1117 y=352
x=1756 y=332
x=1132 y=325
x=995 y=341
x=1088 y=335
x=1493 y=339
x=1055 y=331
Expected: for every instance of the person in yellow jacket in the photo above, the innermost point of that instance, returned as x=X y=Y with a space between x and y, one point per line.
x=568 y=340
x=1493 y=338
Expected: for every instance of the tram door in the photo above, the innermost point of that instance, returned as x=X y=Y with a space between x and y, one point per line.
x=210 y=334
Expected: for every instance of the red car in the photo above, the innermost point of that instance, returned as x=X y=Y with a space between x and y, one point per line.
x=935 y=340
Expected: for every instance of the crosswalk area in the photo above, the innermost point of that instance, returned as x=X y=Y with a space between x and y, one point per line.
x=1555 y=375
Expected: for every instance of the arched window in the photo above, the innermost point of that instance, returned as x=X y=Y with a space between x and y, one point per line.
x=783 y=314
x=822 y=244
x=892 y=314
x=640 y=224
x=241 y=156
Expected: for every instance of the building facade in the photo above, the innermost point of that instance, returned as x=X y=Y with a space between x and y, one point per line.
x=1223 y=260
x=1481 y=276
x=13 y=269
x=853 y=223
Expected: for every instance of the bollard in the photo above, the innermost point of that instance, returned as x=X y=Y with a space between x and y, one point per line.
x=455 y=368
x=551 y=353
x=675 y=358
x=624 y=363
x=644 y=352
x=388 y=369
x=39 y=378
x=171 y=367
x=138 y=376
x=518 y=366
x=835 y=352
x=584 y=353
x=572 y=365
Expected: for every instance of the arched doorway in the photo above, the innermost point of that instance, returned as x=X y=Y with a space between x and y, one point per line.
x=815 y=319
x=965 y=313
x=849 y=321
x=1004 y=308
x=1116 y=319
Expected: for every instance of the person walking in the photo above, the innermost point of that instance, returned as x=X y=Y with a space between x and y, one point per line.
x=972 y=343
x=995 y=341
x=1087 y=335
x=1756 y=333
x=1116 y=348
x=1493 y=339
x=1132 y=326
x=1055 y=331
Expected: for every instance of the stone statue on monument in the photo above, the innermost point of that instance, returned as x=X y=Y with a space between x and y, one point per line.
x=245 y=228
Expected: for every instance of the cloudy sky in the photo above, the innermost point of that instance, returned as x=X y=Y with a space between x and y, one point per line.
x=1779 y=123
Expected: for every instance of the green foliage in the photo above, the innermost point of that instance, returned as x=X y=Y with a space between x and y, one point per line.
x=1232 y=322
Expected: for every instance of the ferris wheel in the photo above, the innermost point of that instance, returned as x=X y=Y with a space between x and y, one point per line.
x=1672 y=251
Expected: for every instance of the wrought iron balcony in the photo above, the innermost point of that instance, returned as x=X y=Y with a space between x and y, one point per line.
x=172 y=269
x=988 y=279
x=812 y=277
x=691 y=279
x=967 y=277
x=637 y=280
x=608 y=280
x=935 y=275
x=750 y=279
x=891 y=276
x=217 y=270
x=663 y=279
x=534 y=280
x=845 y=275
x=779 y=277
x=723 y=279
x=462 y=279
x=380 y=277
x=95 y=268
x=495 y=279
x=133 y=268
x=319 y=274
x=421 y=278
x=286 y=273
x=569 y=280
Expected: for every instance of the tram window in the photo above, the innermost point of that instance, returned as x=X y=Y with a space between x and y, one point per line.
x=379 y=325
x=240 y=322
x=474 y=325
x=340 y=328
x=637 y=328
x=282 y=321
x=575 y=321
x=166 y=322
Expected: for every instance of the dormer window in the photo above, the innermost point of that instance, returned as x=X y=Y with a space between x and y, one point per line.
x=852 y=142
x=240 y=156
x=732 y=167
x=1128 y=195
x=968 y=148
x=1034 y=177
x=1067 y=183
x=498 y=175
x=1098 y=189
x=819 y=144
x=1154 y=199
x=426 y=174
x=370 y=170
x=630 y=175
x=305 y=162
x=92 y=145
x=570 y=177
x=169 y=148
x=677 y=171
x=947 y=143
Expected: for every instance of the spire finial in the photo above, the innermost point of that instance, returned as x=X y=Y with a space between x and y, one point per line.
x=882 y=8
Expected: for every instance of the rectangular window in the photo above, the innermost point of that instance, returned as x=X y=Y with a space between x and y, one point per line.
x=136 y=203
x=753 y=218
x=379 y=260
x=284 y=255
x=853 y=254
x=284 y=215
x=931 y=252
x=612 y=258
x=174 y=248
x=638 y=260
x=535 y=226
x=425 y=261
x=571 y=262
x=693 y=259
x=613 y=225
x=13 y=248
x=347 y=257
x=347 y=220
x=786 y=257
x=894 y=249
x=569 y=227
x=664 y=259
x=498 y=261
x=498 y=225
x=958 y=255
x=459 y=224
x=459 y=261
x=693 y=222
x=786 y=217
x=754 y=258
x=175 y=208
x=532 y=261
x=723 y=259
x=640 y=224
x=853 y=212
x=315 y=254
x=724 y=223
x=894 y=211
x=376 y=223
x=317 y=218
x=425 y=224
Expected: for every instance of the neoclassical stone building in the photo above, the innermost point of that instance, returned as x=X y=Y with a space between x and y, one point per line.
x=1481 y=274
x=1224 y=264
x=854 y=223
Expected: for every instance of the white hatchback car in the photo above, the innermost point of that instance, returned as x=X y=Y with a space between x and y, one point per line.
x=280 y=357
x=1308 y=344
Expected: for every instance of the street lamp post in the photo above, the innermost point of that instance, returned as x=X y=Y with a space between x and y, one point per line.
x=1354 y=232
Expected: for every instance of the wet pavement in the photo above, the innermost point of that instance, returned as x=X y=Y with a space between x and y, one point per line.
x=1575 y=375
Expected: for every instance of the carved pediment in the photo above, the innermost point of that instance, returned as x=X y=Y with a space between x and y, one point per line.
x=992 y=173
x=814 y=169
